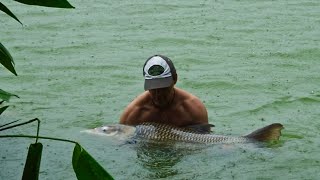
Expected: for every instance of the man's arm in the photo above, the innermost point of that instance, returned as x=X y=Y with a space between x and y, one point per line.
x=124 y=115
x=198 y=111
x=131 y=114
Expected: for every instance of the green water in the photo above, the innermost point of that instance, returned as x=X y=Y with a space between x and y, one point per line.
x=251 y=62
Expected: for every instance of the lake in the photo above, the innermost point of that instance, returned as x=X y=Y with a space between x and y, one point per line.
x=252 y=63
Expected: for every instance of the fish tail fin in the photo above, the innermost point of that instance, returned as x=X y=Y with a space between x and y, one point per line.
x=267 y=133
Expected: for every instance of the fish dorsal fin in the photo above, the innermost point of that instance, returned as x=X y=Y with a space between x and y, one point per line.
x=199 y=128
x=267 y=133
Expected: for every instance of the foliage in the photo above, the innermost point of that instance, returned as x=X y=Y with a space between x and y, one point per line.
x=5 y=57
x=7 y=11
x=46 y=3
x=2 y=109
x=32 y=166
x=84 y=165
x=6 y=96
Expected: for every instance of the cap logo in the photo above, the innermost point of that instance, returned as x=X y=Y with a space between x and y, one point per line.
x=155 y=70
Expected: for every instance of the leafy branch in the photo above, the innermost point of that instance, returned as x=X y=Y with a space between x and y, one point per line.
x=84 y=165
x=5 y=57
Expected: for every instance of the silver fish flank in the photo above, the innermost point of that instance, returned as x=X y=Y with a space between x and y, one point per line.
x=163 y=132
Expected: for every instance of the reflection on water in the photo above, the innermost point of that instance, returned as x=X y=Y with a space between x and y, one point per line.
x=159 y=158
x=165 y=160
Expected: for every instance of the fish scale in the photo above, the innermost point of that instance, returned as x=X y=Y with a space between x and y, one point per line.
x=164 y=132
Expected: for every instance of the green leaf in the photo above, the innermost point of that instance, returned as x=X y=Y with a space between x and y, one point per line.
x=7 y=11
x=32 y=166
x=6 y=96
x=2 y=109
x=47 y=3
x=86 y=167
x=3 y=125
x=6 y=59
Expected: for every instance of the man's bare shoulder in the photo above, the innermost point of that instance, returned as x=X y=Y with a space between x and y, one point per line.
x=134 y=109
x=192 y=104
x=187 y=98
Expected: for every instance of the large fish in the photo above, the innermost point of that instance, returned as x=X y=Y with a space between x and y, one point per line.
x=163 y=132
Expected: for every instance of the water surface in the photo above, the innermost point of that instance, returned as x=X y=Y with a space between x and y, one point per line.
x=251 y=62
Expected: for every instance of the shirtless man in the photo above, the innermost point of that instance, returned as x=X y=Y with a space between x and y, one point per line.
x=162 y=102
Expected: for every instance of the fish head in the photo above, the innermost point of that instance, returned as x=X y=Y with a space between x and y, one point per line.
x=117 y=130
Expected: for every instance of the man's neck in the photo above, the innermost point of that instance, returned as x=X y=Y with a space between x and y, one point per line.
x=170 y=101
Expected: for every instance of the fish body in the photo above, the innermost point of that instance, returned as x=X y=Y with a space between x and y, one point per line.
x=164 y=132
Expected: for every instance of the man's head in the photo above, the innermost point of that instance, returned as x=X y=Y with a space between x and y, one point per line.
x=159 y=72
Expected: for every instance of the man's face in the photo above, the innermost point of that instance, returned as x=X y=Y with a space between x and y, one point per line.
x=162 y=96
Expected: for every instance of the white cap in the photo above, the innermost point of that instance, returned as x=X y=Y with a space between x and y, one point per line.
x=157 y=72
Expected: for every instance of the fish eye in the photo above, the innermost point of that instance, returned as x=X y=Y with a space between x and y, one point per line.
x=104 y=129
x=111 y=130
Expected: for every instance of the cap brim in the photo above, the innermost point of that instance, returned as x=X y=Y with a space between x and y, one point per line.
x=157 y=83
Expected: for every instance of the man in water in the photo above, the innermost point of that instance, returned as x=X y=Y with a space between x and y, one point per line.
x=162 y=102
